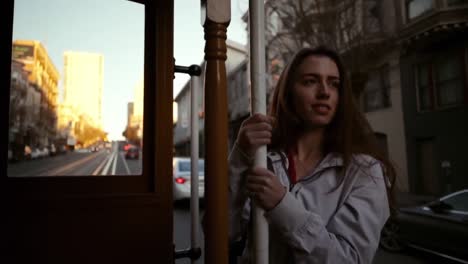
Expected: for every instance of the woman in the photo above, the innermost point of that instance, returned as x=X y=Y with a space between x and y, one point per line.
x=325 y=193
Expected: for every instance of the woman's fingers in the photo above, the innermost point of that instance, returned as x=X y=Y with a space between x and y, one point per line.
x=261 y=126
x=255 y=188
x=255 y=131
x=256 y=118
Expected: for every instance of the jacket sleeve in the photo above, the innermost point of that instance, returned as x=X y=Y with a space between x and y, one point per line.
x=239 y=163
x=352 y=234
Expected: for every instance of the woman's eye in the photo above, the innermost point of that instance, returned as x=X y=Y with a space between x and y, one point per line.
x=335 y=85
x=310 y=81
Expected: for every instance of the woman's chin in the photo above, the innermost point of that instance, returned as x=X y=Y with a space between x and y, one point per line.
x=317 y=123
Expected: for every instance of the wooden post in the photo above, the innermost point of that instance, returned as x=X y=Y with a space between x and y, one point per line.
x=217 y=19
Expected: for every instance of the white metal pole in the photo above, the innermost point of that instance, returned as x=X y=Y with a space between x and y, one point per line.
x=194 y=208
x=258 y=95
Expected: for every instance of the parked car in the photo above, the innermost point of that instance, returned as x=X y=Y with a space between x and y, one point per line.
x=439 y=227
x=36 y=154
x=181 y=175
x=132 y=153
x=45 y=152
x=53 y=150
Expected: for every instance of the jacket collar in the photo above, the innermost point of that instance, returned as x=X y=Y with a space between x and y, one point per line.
x=332 y=159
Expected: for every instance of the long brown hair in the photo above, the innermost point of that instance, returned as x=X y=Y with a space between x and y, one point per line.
x=349 y=131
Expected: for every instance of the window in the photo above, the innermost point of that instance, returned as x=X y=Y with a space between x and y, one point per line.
x=424 y=88
x=449 y=82
x=184 y=166
x=68 y=108
x=415 y=8
x=440 y=83
x=458 y=202
x=377 y=90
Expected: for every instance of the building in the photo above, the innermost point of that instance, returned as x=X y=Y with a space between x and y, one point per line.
x=41 y=92
x=83 y=82
x=434 y=80
x=134 y=129
x=236 y=55
x=129 y=112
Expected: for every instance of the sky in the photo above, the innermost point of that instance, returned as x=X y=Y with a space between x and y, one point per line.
x=115 y=29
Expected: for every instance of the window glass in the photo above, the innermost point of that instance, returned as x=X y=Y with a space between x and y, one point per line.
x=423 y=87
x=184 y=166
x=377 y=90
x=416 y=8
x=449 y=82
x=76 y=88
x=458 y=202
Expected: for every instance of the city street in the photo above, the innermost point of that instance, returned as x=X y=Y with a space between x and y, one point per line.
x=76 y=163
x=182 y=241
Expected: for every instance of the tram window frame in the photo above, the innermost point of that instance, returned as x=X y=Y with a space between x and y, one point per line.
x=156 y=86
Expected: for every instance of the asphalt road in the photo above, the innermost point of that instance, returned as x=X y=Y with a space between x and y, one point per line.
x=78 y=163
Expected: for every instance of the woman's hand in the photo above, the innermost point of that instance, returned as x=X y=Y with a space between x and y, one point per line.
x=265 y=188
x=254 y=132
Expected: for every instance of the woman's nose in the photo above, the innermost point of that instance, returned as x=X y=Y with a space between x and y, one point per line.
x=324 y=90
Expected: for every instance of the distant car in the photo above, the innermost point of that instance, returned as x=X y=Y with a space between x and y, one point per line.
x=45 y=152
x=132 y=153
x=53 y=150
x=36 y=154
x=439 y=227
x=127 y=146
x=181 y=175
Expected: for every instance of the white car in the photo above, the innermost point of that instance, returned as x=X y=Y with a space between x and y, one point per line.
x=45 y=152
x=36 y=153
x=181 y=174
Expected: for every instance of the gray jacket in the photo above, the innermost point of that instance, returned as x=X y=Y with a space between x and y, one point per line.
x=323 y=218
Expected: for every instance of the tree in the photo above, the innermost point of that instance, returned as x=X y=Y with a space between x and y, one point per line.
x=352 y=27
x=131 y=134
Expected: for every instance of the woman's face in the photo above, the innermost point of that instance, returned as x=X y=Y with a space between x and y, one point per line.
x=315 y=91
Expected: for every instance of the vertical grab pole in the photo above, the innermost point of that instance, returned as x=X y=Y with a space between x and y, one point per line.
x=258 y=95
x=194 y=145
x=194 y=252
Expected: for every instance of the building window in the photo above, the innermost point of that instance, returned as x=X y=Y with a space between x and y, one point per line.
x=449 y=82
x=440 y=83
x=424 y=87
x=377 y=90
x=415 y=8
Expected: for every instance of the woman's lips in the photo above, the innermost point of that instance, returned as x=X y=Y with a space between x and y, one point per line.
x=321 y=109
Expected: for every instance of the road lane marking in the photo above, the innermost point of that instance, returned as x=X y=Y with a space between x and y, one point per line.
x=109 y=162
x=99 y=168
x=125 y=163
x=116 y=158
x=59 y=171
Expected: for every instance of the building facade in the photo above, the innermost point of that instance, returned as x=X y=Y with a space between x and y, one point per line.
x=35 y=82
x=81 y=109
x=434 y=80
x=236 y=55
x=83 y=82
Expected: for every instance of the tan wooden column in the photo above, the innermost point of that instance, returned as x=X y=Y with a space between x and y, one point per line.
x=216 y=132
